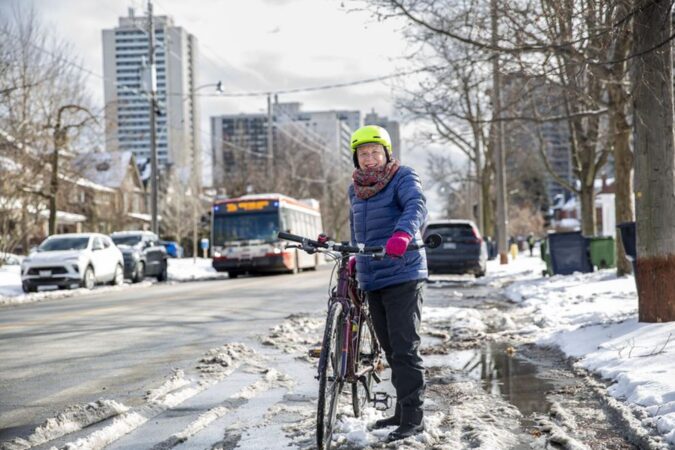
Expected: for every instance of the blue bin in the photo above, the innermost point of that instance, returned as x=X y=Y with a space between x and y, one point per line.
x=569 y=253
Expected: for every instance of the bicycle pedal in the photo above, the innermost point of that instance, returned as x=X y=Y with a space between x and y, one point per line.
x=381 y=401
x=314 y=352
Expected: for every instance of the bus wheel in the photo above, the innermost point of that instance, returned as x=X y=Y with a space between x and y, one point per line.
x=232 y=274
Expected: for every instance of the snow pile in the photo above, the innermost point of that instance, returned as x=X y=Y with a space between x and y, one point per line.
x=74 y=418
x=298 y=333
x=10 y=281
x=99 y=439
x=221 y=361
x=176 y=381
x=187 y=269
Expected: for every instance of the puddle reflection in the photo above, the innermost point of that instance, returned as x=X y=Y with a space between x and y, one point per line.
x=500 y=373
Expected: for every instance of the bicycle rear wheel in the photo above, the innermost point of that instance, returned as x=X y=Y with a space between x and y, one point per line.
x=365 y=357
x=330 y=384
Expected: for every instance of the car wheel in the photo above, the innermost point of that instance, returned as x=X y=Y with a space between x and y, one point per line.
x=89 y=279
x=139 y=273
x=118 y=277
x=232 y=274
x=27 y=287
x=164 y=273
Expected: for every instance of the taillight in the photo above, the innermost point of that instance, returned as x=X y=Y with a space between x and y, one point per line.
x=477 y=239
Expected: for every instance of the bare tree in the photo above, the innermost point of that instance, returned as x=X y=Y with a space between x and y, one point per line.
x=655 y=161
x=44 y=107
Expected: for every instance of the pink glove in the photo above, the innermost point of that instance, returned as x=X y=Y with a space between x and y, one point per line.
x=351 y=265
x=397 y=244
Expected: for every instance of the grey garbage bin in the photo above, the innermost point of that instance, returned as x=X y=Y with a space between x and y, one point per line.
x=569 y=253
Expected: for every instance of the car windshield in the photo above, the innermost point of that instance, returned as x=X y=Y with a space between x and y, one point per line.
x=459 y=231
x=246 y=227
x=127 y=240
x=65 y=243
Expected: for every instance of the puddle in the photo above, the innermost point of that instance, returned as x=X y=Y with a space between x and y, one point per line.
x=499 y=373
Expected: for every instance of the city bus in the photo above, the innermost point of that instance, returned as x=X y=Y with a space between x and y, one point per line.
x=244 y=233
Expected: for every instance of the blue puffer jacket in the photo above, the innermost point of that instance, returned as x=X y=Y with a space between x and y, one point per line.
x=400 y=206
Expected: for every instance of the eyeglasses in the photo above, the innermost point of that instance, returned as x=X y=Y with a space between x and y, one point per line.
x=371 y=151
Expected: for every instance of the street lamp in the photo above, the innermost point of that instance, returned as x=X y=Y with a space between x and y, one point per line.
x=195 y=183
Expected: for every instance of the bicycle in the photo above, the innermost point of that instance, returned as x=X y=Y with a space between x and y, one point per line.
x=350 y=352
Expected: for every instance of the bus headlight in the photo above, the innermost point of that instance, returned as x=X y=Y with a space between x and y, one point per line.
x=217 y=254
x=276 y=250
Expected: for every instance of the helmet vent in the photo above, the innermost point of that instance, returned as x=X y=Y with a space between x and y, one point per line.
x=377 y=137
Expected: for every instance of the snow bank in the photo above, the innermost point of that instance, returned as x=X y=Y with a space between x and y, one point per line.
x=187 y=269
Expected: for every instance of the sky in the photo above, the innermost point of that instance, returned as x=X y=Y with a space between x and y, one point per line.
x=259 y=46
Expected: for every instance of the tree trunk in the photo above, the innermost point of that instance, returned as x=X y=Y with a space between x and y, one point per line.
x=587 y=199
x=487 y=203
x=654 y=162
x=620 y=140
x=53 y=189
x=623 y=183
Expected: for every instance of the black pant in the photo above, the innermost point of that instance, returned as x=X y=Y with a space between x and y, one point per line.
x=397 y=314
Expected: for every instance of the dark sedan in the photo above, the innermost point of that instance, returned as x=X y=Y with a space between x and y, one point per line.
x=463 y=249
x=143 y=255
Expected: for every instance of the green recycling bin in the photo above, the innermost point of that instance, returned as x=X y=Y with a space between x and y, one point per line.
x=603 y=252
x=546 y=256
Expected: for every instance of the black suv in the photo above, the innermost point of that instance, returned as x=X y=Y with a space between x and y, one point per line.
x=463 y=249
x=143 y=255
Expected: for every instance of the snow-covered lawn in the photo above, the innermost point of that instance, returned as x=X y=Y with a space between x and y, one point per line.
x=185 y=269
x=593 y=317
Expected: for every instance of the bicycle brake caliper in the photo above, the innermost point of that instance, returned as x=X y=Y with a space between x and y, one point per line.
x=381 y=401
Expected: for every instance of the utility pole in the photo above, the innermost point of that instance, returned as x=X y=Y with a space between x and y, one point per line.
x=153 y=110
x=498 y=141
x=270 y=138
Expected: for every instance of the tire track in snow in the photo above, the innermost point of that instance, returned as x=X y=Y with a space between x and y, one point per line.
x=216 y=365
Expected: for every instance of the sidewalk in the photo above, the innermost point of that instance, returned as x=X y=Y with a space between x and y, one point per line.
x=593 y=318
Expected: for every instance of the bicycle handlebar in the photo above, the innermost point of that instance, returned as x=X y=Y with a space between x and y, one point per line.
x=432 y=241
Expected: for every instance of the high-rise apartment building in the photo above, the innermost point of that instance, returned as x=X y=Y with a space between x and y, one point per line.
x=329 y=131
x=392 y=127
x=127 y=75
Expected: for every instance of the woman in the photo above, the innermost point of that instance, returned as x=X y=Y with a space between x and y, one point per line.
x=388 y=209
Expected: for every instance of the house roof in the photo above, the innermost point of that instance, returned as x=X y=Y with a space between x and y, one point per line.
x=106 y=168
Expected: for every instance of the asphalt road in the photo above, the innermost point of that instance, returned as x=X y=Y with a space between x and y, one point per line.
x=118 y=344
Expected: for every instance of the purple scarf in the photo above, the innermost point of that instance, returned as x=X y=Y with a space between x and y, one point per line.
x=368 y=182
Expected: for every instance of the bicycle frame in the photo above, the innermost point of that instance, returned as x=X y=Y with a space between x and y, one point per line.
x=353 y=305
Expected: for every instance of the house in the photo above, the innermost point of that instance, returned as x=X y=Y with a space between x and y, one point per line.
x=127 y=207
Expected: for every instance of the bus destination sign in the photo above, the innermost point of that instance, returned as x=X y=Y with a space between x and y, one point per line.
x=245 y=206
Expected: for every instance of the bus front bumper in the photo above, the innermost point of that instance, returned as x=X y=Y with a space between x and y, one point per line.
x=262 y=263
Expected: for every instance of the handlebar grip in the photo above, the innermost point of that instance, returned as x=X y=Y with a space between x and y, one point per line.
x=290 y=237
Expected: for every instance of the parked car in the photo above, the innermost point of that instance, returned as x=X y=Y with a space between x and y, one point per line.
x=67 y=260
x=143 y=255
x=463 y=249
x=173 y=248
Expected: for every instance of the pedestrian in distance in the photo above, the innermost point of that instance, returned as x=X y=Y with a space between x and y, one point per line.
x=388 y=209
x=530 y=243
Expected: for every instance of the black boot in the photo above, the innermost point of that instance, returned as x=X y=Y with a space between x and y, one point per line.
x=392 y=421
x=412 y=423
x=405 y=431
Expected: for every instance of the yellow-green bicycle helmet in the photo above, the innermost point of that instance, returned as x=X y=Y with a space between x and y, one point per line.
x=371 y=134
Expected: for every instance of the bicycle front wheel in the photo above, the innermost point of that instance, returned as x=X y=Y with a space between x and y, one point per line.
x=366 y=356
x=330 y=383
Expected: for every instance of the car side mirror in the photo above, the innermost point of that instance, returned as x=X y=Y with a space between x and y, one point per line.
x=433 y=240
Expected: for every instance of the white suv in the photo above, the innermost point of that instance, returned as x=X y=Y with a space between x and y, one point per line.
x=80 y=259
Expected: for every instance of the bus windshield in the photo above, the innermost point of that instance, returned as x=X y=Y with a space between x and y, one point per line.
x=245 y=227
